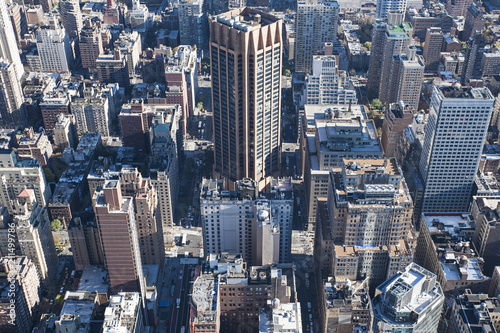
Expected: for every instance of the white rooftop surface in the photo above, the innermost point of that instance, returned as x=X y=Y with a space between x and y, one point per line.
x=121 y=312
x=285 y=318
x=81 y=307
x=315 y=111
x=452 y=271
x=419 y=299
x=204 y=295
x=452 y=223
x=94 y=280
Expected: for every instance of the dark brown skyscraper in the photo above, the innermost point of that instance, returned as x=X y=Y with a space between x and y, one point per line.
x=245 y=54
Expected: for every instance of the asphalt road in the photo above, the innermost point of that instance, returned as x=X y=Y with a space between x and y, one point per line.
x=180 y=315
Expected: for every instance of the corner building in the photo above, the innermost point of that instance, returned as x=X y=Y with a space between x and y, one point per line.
x=245 y=54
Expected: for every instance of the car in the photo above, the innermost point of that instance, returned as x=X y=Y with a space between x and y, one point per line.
x=61 y=290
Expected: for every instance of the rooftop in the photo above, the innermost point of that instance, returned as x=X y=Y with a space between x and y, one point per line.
x=204 y=298
x=456 y=91
x=121 y=313
x=462 y=268
x=413 y=291
x=94 y=279
x=245 y=19
x=80 y=304
x=454 y=224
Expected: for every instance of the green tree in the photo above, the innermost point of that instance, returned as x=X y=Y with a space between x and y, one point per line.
x=376 y=104
x=199 y=105
x=287 y=72
x=368 y=45
x=55 y=225
x=49 y=175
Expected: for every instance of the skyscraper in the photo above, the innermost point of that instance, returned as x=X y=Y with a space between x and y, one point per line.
x=384 y=6
x=389 y=39
x=116 y=221
x=245 y=55
x=90 y=44
x=315 y=24
x=192 y=22
x=8 y=45
x=404 y=81
x=11 y=97
x=71 y=16
x=414 y=291
x=432 y=49
x=454 y=137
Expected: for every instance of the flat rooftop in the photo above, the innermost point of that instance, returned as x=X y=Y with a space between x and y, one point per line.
x=451 y=223
x=94 y=279
x=456 y=91
x=245 y=19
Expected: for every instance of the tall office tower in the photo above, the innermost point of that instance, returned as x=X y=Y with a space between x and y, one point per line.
x=182 y=81
x=326 y=85
x=369 y=204
x=129 y=45
x=389 y=39
x=149 y=227
x=54 y=50
x=386 y=6
x=90 y=44
x=35 y=235
x=246 y=95
x=18 y=19
x=192 y=23
x=16 y=176
x=474 y=21
x=71 y=16
x=85 y=243
x=432 y=49
x=473 y=56
x=20 y=286
x=8 y=45
x=257 y=225
x=458 y=7
x=12 y=110
x=165 y=137
x=404 y=80
x=454 y=137
x=415 y=290
x=332 y=133
x=117 y=225
x=315 y=24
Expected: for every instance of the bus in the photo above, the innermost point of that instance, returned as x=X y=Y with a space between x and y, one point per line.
x=183 y=239
x=200 y=124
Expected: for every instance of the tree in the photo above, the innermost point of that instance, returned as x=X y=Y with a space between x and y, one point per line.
x=368 y=45
x=55 y=225
x=199 y=105
x=49 y=175
x=376 y=104
x=287 y=72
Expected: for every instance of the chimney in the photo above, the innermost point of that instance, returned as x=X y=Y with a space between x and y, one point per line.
x=257 y=18
x=117 y=54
